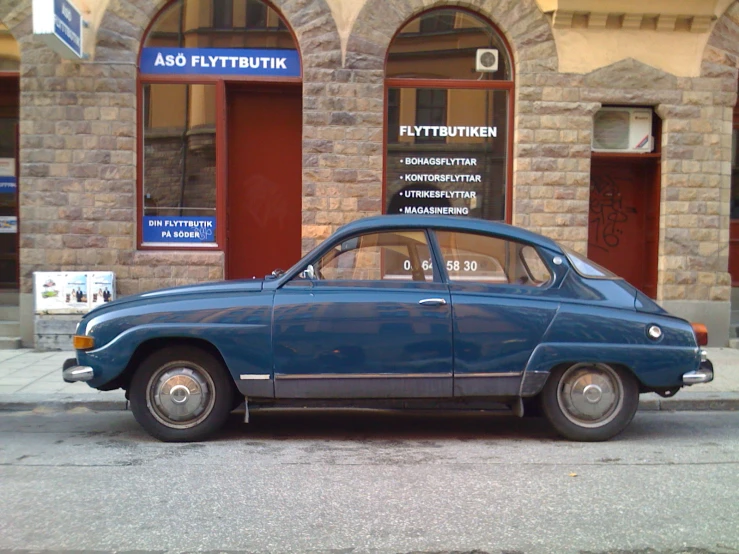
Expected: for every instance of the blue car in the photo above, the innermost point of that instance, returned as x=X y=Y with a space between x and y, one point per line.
x=397 y=312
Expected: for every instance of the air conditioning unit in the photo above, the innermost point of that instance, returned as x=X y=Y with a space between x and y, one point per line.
x=623 y=130
x=486 y=60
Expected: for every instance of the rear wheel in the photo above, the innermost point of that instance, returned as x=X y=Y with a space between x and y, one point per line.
x=590 y=402
x=181 y=394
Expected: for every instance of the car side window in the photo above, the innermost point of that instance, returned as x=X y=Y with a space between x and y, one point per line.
x=392 y=255
x=470 y=257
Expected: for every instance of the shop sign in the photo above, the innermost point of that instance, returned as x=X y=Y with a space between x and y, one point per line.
x=72 y=292
x=179 y=230
x=7 y=176
x=59 y=24
x=220 y=61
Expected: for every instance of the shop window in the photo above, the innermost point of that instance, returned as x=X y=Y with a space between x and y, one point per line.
x=179 y=164
x=183 y=75
x=448 y=139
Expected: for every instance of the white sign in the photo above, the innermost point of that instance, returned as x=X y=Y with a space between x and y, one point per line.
x=58 y=23
x=446 y=131
x=8 y=224
x=7 y=167
x=72 y=292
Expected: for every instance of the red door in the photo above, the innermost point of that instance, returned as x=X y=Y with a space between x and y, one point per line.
x=623 y=221
x=264 y=191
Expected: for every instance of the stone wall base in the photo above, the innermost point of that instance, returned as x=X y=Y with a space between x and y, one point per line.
x=54 y=332
x=714 y=315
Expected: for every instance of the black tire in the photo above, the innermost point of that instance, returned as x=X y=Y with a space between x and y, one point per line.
x=171 y=374
x=568 y=395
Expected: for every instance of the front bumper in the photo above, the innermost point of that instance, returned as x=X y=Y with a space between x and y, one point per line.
x=71 y=372
x=704 y=373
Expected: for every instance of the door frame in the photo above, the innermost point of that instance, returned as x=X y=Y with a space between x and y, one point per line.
x=224 y=88
x=13 y=77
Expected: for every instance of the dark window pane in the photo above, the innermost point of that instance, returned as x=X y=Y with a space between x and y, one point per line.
x=223 y=14
x=430 y=110
x=436 y=22
x=256 y=14
x=393 y=114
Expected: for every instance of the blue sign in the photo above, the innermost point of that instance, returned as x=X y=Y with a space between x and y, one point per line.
x=183 y=229
x=68 y=25
x=7 y=185
x=220 y=61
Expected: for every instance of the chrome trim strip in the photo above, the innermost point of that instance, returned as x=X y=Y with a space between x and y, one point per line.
x=432 y=302
x=255 y=377
x=364 y=376
x=506 y=374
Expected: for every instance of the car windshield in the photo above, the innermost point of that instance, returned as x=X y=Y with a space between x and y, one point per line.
x=587 y=268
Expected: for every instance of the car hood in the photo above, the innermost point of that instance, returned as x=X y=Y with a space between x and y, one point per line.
x=245 y=285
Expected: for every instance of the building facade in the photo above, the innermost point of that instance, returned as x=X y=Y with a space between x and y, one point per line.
x=218 y=139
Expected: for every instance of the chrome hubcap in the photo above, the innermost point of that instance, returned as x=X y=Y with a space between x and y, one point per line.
x=180 y=396
x=590 y=395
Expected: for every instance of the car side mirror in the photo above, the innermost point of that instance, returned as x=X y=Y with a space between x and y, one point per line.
x=308 y=273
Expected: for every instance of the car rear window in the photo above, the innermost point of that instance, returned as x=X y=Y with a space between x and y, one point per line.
x=587 y=268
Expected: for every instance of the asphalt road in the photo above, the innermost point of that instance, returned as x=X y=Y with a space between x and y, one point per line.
x=354 y=482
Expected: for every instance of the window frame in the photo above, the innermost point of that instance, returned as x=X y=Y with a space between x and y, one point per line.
x=417 y=83
x=221 y=82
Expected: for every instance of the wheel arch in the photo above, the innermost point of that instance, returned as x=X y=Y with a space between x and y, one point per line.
x=533 y=382
x=148 y=347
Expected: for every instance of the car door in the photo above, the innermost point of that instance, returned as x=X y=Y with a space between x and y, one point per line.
x=370 y=319
x=501 y=307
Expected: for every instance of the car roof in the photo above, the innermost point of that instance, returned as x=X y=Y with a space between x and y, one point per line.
x=451 y=223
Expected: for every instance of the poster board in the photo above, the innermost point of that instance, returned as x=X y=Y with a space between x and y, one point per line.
x=72 y=292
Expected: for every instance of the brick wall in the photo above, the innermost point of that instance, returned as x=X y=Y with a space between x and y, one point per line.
x=78 y=141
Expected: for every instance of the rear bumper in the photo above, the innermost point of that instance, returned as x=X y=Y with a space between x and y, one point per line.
x=71 y=372
x=704 y=373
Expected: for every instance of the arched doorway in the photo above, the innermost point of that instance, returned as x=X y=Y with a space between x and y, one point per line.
x=221 y=134
x=449 y=102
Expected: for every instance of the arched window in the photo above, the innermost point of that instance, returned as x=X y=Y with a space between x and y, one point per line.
x=194 y=54
x=449 y=86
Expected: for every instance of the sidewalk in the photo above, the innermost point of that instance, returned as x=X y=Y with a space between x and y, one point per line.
x=30 y=380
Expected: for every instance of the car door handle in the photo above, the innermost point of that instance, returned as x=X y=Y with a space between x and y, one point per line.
x=432 y=302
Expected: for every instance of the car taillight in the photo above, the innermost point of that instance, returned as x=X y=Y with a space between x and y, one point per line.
x=701 y=333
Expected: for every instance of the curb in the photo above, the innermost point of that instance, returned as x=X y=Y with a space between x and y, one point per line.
x=115 y=401
x=99 y=402
x=690 y=402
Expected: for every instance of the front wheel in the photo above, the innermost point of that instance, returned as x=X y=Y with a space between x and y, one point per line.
x=181 y=394
x=590 y=402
